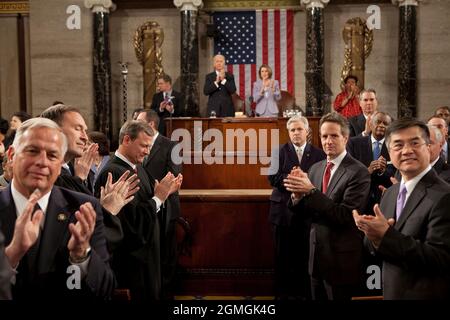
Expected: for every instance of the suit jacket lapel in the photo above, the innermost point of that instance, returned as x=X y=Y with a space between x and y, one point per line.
x=385 y=152
x=306 y=156
x=154 y=150
x=415 y=198
x=337 y=175
x=8 y=214
x=362 y=122
x=57 y=218
x=389 y=210
x=317 y=176
x=292 y=154
x=368 y=154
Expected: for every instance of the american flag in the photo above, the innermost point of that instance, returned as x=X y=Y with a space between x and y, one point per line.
x=248 y=39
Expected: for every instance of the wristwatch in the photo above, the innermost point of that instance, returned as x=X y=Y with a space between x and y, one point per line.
x=311 y=192
x=87 y=254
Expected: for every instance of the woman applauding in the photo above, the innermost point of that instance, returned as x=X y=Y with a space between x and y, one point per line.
x=266 y=93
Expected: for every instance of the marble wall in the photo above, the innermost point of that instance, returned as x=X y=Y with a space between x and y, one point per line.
x=9 y=66
x=123 y=25
x=61 y=59
x=381 y=65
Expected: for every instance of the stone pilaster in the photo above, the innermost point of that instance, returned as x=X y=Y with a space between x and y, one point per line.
x=102 y=65
x=314 y=87
x=407 y=59
x=189 y=55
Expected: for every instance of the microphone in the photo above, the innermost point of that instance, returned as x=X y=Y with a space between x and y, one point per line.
x=249 y=106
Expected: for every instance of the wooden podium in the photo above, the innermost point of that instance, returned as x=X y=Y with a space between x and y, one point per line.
x=227 y=204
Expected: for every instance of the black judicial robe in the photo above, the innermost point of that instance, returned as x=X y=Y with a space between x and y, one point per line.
x=136 y=261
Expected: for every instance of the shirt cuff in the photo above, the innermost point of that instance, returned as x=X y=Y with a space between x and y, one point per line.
x=295 y=201
x=216 y=84
x=83 y=266
x=223 y=81
x=158 y=203
x=12 y=273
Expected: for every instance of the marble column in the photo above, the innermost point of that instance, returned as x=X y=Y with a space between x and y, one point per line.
x=189 y=55
x=314 y=87
x=407 y=64
x=102 y=66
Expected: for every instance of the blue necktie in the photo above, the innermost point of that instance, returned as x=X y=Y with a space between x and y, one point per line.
x=376 y=150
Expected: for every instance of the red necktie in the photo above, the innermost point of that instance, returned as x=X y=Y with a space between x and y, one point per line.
x=326 y=176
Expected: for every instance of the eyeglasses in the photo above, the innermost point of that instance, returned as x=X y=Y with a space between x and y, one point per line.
x=397 y=146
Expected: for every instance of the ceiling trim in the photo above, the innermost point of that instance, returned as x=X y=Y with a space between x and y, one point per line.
x=10 y=7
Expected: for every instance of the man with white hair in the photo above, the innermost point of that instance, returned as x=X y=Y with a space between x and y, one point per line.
x=291 y=234
x=436 y=160
x=48 y=230
x=441 y=124
x=219 y=86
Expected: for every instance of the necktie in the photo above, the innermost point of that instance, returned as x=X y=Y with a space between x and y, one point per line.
x=444 y=155
x=326 y=176
x=400 y=200
x=299 y=155
x=376 y=150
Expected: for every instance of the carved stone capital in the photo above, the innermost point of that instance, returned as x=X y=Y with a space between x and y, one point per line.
x=406 y=2
x=100 y=5
x=185 y=5
x=314 y=3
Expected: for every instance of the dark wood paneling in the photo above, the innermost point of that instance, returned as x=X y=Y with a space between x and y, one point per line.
x=224 y=176
x=254 y=155
x=232 y=250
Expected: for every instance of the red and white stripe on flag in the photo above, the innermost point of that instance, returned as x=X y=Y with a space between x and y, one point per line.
x=275 y=47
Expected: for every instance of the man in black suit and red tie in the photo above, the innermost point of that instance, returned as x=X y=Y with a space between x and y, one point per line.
x=327 y=195
x=291 y=234
x=219 y=86
x=49 y=230
x=167 y=102
x=410 y=231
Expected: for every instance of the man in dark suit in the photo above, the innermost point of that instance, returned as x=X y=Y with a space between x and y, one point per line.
x=369 y=105
x=436 y=160
x=441 y=124
x=219 y=86
x=372 y=152
x=167 y=102
x=6 y=272
x=444 y=113
x=291 y=234
x=335 y=262
x=157 y=164
x=136 y=261
x=411 y=227
x=77 y=164
x=51 y=232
